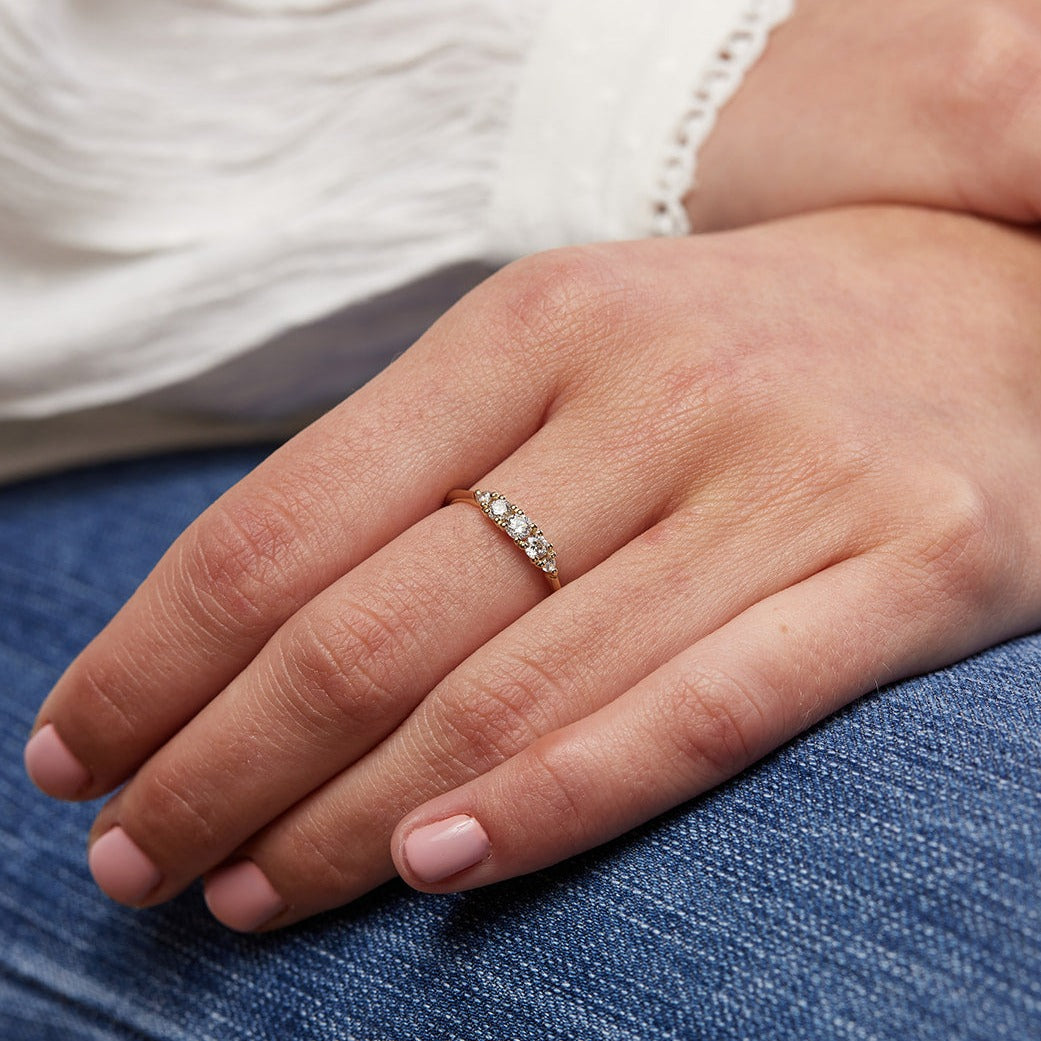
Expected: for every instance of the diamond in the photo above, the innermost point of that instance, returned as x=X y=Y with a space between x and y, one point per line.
x=536 y=547
x=518 y=526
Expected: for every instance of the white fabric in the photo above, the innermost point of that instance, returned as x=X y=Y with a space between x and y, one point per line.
x=182 y=183
x=614 y=102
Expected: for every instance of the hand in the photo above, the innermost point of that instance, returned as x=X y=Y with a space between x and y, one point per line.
x=929 y=102
x=780 y=467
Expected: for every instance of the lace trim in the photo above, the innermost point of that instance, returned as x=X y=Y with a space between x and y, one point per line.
x=724 y=74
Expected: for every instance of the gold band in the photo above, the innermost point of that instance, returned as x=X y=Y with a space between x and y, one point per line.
x=517 y=524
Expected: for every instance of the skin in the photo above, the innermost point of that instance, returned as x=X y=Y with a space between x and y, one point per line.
x=933 y=102
x=772 y=487
x=781 y=466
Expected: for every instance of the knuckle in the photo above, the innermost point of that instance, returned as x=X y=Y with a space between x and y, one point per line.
x=960 y=548
x=310 y=853
x=729 y=396
x=712 y=720
x=160 y=805
x=564 y=298
x=234 y=566
x=485 y=719
x=549 y=784
x=341 y=668
x=100 y=683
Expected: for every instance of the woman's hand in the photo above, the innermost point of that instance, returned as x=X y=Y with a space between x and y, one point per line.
x=928 y=102
x=781 y=467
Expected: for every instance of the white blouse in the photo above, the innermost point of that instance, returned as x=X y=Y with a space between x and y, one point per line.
x=244 y=208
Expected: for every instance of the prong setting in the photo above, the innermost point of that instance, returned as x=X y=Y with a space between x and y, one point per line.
x=520 y=528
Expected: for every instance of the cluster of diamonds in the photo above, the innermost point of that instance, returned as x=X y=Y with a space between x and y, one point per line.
x=520 y=528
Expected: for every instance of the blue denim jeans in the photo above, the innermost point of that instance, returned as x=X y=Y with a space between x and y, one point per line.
x=877 y=878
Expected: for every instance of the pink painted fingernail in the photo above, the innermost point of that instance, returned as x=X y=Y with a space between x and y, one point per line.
x=438 y=850
x=241 y=897
x=52 y=767
x=121 y=869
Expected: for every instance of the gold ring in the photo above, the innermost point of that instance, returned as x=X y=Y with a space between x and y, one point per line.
x=516 y=523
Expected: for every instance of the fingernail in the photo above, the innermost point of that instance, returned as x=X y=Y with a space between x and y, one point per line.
x=121 y=869
x=437 y=850
x=241 y=897
x=52 y=767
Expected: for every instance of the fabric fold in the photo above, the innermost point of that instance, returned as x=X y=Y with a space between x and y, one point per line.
x=185 y=187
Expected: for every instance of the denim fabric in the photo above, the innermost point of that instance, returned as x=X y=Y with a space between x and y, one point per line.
x=877 y=878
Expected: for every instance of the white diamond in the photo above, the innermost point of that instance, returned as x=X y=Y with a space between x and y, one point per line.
x=518 y=525
x=536 y=547
x=549 y=564
x=483 y=497
x=499 y=508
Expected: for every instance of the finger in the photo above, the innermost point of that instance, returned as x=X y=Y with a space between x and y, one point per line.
x=477 y=385
x=563 y=659
x=701 y=718
x=343 y=673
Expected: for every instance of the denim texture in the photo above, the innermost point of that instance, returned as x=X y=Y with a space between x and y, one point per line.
x=876 y=878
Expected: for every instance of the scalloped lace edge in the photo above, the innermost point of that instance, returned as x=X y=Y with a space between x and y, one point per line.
x=716 y=85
